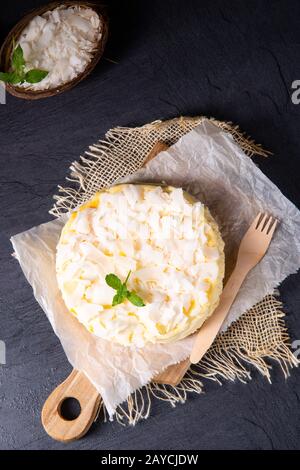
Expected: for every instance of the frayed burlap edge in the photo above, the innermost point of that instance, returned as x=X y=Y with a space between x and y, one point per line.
x=123 y=152
x=255 y=339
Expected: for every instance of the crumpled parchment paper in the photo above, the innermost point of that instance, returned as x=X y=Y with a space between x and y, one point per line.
x=211 y=166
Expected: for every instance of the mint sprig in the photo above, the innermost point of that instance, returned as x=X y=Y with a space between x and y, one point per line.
x=18 y=61
x=35 y=75
x=18 y=74
x=122 y=292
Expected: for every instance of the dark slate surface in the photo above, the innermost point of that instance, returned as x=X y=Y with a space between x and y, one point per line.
x=229 y=59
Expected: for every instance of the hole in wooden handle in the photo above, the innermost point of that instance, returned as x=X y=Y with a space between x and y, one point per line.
x=69 y=408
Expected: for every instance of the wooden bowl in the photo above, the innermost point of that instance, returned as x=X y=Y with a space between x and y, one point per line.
x=6 y=50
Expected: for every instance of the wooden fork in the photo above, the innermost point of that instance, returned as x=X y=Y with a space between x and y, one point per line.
x=252 y=249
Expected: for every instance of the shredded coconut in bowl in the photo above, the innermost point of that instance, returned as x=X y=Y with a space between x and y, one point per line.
x=62 y=42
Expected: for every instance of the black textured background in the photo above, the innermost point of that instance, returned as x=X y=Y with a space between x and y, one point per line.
x=229 y=59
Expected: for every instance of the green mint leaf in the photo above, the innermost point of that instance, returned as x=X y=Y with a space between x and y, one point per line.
x=35 y=75
x=10 y=77
x=18 y=60
x=113 y=281
x=122 y=292
x=119 y=298
x=135 y=299
x=5 y=77
x=16 y=78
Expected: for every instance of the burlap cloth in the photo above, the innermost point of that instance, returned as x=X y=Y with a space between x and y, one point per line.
x=256 y=337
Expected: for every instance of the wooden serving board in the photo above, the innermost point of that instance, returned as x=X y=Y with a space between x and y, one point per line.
x=78 y=386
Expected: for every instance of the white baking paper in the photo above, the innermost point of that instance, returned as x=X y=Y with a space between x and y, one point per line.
x=211 y=166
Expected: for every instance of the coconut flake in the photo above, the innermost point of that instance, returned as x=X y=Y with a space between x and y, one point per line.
x=61 y=41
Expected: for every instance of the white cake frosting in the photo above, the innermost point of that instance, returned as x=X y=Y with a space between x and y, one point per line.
x=168 y=241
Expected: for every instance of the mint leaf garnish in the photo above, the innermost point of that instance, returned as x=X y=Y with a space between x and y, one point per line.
x=122 y=292
x=35 y=75
x=135 y=299
x=18 y=74
x=18 y=61
x=113 y=281
x=10 y=77
x=118 y=298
